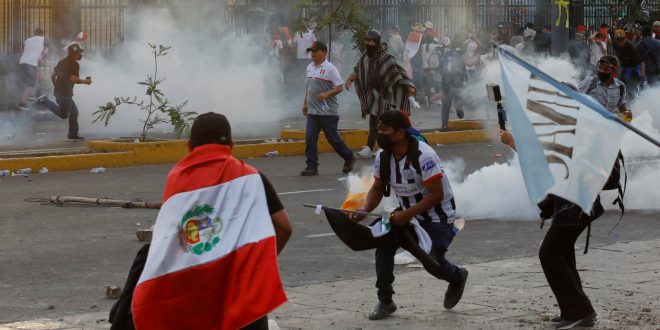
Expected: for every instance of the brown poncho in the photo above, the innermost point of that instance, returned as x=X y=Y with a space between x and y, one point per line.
x=382 y=83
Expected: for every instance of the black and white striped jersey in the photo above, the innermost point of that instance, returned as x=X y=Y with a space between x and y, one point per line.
x=408 y=184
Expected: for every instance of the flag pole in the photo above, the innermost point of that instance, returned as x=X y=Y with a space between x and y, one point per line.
x=344 y=210
x=576 y=95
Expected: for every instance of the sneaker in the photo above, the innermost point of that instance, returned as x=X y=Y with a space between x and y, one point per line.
x=556 y=319
x=455 y=290
x=382 y=310
x=365 y=152
x=24 y=107
x=587 y=321
x=348 y=165
x=40 y=99
x=75 y=138
x=309 y=171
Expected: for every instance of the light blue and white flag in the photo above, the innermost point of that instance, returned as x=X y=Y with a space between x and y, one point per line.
x=566 y=141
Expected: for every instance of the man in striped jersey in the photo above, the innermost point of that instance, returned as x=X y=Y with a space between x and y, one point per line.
x=412 y=170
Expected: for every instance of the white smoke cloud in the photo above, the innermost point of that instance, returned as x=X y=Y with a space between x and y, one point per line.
x=497 y=191
x=214 y=73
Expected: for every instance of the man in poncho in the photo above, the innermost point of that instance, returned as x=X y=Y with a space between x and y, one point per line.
x=381 y=85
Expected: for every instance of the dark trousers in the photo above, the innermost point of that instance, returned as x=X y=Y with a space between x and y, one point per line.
x=260 y=324
x=557 y=255
x=327 y=124
x=65 y=107
x=449 y=96
x=373 y=131
x=441 y=235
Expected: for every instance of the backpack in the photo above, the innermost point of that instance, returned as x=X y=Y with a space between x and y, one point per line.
x=549 y=210
x=412 y=155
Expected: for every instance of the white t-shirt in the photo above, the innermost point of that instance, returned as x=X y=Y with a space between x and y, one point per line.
x=320 y=79
x=304 y=41
x=276 y=45
x=596 y=53
x=32 y=50
x=408 y=185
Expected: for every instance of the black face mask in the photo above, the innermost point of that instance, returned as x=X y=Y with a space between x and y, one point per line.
x=371 y=50
x=604 y=76
x=385 y=141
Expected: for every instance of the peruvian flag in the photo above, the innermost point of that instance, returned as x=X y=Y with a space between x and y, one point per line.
x=213 y=257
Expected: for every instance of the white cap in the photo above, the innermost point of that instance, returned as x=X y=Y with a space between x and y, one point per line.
x=428 y=24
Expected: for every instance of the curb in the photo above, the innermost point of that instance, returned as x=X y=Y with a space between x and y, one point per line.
x=124 y=154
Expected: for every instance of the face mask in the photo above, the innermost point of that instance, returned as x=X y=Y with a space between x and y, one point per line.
x=604 y=77
x=371 y=50
x=385 y=141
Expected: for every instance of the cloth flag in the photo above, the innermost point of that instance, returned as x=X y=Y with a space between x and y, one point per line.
x=213 y=257
x=566 y=141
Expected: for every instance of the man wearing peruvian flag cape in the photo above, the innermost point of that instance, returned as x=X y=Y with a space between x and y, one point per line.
x=212 y=263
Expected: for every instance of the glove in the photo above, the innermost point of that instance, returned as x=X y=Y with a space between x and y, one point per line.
x=413 y=102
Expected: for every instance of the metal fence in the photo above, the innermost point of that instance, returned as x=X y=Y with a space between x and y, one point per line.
x=107 y=25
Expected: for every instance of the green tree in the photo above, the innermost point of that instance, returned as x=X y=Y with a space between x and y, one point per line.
x=338 y=14
x=158 y=108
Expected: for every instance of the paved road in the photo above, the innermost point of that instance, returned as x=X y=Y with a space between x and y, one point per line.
x=62 y=257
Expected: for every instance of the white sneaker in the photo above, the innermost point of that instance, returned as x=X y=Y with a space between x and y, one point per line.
x=365 y=152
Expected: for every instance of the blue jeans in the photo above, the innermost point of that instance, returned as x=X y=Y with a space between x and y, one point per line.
x=441 y=235
x=329 y=125
x=65 y=107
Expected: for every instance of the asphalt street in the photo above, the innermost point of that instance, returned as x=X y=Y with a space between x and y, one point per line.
x=56 y=261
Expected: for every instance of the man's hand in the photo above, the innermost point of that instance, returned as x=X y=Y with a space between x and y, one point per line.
x=507 y=139
x=412 y=91
x=400 y=218
x=357 y=217
x=87 y=81
x=304 y=110
x=348 y=84
x=321 y=96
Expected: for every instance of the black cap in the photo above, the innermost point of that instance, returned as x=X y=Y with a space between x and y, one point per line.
x=395 y=119
x=316 y=46
x=208 y=128
x=610 y=60
x=373 y=35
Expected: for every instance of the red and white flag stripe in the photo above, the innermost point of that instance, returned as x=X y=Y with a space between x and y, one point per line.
x=213 y=257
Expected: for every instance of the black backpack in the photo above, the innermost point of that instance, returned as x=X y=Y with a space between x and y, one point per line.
x=568 y=210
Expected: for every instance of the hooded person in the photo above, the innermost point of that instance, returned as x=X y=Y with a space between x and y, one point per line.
x=381 y=85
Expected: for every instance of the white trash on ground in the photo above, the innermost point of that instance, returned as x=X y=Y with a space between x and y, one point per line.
x=404 y=258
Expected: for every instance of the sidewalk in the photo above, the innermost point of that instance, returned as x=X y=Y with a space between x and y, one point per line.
x=622 y=280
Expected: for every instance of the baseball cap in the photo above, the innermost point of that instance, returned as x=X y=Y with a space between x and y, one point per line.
x=316 y=46
x=208 y=128
x=581 y=28
x=656 y=24
x=428 y=24
x=609 y=60
x=619 y=33
x=373 y=35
